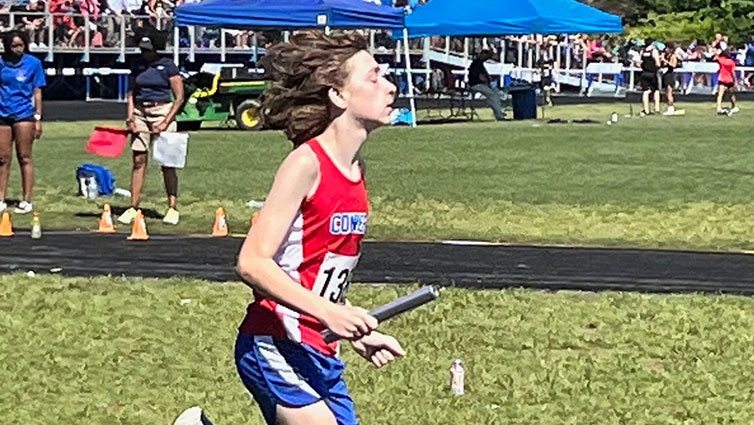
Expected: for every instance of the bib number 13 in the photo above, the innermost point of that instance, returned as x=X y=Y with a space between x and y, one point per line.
x=334 y=275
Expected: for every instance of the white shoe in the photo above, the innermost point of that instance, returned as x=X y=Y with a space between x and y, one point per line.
x=171 y=217
x=3 y=206
x=734 y=110
x=670 y=111
x=192 y=416
x=128 y=216
x=24 y=208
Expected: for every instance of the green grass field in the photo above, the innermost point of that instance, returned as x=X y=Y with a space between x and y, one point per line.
x=674 y=182
x=112 y=350
x=120 y=351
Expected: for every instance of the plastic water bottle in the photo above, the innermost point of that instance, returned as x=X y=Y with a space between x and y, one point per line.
x=36 y=226
x=614 y=117
x=92 y=190
x=456 y=377
x=122 y=192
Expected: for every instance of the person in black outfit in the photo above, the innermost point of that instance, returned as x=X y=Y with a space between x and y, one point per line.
x=479 y=82
x=670 y=62
x=650 y=83
x=547 y=68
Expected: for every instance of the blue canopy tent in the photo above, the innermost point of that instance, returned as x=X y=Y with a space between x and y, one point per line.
x=289 y=14
x=509 y=17
x=296 y=14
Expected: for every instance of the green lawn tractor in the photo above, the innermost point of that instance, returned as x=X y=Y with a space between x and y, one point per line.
x=230 y=97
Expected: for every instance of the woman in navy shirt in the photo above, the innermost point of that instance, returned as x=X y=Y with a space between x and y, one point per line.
x=21 y=82
x=154 y=98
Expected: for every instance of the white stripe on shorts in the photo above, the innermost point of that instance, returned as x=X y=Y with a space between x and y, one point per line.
x=272 y=356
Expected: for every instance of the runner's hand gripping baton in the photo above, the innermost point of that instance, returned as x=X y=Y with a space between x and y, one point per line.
x=394 y=308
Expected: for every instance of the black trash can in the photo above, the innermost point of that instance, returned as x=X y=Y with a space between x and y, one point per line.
x=524 y=104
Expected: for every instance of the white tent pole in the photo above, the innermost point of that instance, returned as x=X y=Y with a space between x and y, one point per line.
x=502 y=62
x=176 y=45
x=410 y=81
x=222 y=45
x=427 y=67
x=465 y=58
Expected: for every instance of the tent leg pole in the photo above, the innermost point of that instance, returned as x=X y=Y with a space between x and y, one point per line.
x=465 y=58
x=410 y=81
x=501 y=84
x=176 y=45
x=427 y=65
x=222 y=45
x=192 y=48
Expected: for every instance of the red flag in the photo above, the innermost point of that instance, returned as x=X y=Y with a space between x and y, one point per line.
x=106 y=141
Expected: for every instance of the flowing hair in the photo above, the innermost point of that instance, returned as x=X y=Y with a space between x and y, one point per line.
x=301 y=73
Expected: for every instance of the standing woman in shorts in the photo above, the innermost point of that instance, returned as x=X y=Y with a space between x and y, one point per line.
x=670 y=62
x=21 y=82
x=726 y=79
x=328 y=94
x=650 y=84
x=154 y=98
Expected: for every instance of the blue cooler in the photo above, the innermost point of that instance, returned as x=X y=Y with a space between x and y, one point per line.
x=524 y=104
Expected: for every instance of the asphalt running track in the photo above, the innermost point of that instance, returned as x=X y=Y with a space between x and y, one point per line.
x=449 y=264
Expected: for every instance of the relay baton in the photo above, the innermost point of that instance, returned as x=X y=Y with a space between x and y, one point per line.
x=394 y=308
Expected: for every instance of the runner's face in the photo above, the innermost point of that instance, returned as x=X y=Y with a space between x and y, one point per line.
x=368 y=94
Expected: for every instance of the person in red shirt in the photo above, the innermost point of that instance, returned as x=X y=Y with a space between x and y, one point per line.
x=328 y=94
x=726 y=83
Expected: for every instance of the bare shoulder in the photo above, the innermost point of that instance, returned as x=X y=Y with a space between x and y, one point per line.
x=303 y=160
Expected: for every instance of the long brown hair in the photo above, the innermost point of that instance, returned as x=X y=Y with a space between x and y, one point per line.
x=301 y=72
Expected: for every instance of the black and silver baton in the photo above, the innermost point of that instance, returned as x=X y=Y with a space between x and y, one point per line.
x=401 y=305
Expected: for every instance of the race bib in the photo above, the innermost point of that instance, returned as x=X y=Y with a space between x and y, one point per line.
x=334 y=276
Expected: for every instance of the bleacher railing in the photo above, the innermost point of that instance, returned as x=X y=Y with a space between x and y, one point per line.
x=107 y=33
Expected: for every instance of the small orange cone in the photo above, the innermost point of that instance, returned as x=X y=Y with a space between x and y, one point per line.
x=139 y=231
x=6 y=229
x=254 y=218
x=106 y=221
x=220 y=230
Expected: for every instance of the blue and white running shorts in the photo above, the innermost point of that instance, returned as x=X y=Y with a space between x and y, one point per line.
x=278 y=371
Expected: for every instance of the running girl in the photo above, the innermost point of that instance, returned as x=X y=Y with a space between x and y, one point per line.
x=328 y=94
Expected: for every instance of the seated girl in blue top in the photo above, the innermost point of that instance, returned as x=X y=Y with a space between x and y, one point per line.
x=21 y=82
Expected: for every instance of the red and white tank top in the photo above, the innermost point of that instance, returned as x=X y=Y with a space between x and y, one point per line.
x=320 y=252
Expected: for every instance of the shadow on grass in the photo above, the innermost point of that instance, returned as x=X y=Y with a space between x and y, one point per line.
x=148 y=213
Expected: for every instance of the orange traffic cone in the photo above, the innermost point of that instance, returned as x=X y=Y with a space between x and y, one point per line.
x=254 y=218
x=6 y=229
x=106 y=221
x=139 y=231
x=220 y=230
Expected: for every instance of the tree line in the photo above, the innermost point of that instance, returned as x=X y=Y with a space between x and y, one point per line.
x=683 y=20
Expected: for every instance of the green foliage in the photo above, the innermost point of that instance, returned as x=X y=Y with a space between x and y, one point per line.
x=129 y=351
x=688 y=20
x=679 y=27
